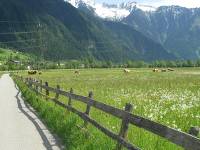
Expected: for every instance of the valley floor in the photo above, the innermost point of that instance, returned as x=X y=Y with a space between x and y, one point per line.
x=170 y=98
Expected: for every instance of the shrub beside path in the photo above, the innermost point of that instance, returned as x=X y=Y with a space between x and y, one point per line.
x=20 y=128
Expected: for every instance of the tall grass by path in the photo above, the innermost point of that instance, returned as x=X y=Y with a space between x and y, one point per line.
x=1 y=73
x=171 y=98
x=64 y=124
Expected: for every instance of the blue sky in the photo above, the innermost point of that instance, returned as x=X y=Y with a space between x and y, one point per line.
x=156 y=3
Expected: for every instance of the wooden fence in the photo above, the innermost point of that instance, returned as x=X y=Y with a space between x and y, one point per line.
x=185 y=140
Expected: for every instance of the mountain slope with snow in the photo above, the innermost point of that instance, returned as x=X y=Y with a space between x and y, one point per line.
x=111 y=11
x=176 y=28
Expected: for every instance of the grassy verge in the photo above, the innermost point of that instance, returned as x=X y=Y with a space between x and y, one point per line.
x=64 y=124
x=1 y=73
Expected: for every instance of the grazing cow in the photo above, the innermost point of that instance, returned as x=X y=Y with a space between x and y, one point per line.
x=170 y=69
x=155 y=70
x=127 y=71
x=32 y=72
x=164 y=70
x=76 y=72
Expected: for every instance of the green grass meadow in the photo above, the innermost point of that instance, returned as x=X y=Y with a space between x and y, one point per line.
x=170 y=98
x=6 y=53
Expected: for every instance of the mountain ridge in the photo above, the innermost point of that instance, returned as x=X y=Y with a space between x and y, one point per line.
x=108 y=11
x=175 y=27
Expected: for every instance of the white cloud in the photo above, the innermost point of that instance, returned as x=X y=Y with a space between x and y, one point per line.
x=111 y=12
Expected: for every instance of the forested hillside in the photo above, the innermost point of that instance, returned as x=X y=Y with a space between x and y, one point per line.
x=54 y=29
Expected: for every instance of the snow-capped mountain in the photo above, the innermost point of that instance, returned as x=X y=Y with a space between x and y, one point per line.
x=176 y=28
x=111 y=11
x=133 y=5
x=76 y=3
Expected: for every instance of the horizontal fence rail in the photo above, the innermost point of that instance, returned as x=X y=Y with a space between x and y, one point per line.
x=185 y=140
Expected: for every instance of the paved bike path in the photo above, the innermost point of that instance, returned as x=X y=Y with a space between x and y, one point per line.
x=20 y=129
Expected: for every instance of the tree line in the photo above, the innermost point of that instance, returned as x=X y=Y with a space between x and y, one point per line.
x=92 y=63
x=129 y=64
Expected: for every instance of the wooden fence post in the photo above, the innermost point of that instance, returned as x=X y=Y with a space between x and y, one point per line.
x=41 y=86
x=57 y=94
x=21 y=78
x=30 y=82
x=87 y=112
x=26 y=79
x=36 y=87
x=47 y=91
x=70 y=99
x=194 y=131
x=124 y=126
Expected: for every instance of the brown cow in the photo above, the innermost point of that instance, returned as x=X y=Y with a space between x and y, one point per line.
x=76 y=72
x=32 y=72
x=170 y=69
x=164 y=70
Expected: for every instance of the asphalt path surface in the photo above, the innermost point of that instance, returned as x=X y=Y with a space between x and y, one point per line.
x=20 y=128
